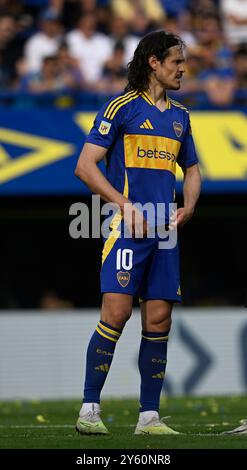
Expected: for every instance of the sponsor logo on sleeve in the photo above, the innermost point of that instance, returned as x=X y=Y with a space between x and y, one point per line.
x=104 y=127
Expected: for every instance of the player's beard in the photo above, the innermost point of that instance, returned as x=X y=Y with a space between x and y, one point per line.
x=178 y=83
x=174 y=87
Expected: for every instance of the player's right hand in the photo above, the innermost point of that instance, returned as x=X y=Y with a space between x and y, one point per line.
x=135 y=221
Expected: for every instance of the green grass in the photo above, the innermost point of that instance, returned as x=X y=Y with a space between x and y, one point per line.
x=50 y=424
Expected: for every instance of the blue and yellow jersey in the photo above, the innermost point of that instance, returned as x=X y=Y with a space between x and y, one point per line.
x=144 y=145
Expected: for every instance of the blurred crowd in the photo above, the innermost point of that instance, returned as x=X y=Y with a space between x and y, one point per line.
x=53 y=46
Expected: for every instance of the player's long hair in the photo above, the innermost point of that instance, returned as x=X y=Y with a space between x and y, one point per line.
x=157 y=44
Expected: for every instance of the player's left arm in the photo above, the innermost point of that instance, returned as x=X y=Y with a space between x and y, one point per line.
x=191 y=192
x=188 y=161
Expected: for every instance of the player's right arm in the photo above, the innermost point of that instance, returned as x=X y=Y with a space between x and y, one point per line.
x=88 y=171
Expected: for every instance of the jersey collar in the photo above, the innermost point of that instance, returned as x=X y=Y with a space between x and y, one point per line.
x=145 y=95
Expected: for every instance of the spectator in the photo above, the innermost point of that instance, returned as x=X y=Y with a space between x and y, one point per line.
x=211 y=47
x=44 y=43
x=58 y=73
x=240 y=65
x=220 y=87
x=209 y=33
x=120 y=31
x=11 y=49
x=175 y=26
x=194 y=66
x=234 y=13
x=12 y=7
x=202 y=8
x=71 y=10
x=141 y=25
x=69 y=69
x=45 y=80
x=114 y=72
x=89 y=47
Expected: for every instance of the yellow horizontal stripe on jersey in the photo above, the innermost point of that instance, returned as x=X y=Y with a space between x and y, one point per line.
x=108 y=330
x=113 y=113
x=155 y=339
x=105 y=336
x=115 y=103
x=115 y=234
x=153 y=152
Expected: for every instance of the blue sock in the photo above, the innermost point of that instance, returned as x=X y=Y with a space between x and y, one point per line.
x=152 y=365
x=99 y=358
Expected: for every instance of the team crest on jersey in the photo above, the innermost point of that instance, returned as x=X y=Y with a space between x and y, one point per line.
x=123 y=278
x=104 y=127
x=178 y=128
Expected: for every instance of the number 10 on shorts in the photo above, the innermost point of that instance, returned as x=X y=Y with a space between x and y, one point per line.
x=124 y=259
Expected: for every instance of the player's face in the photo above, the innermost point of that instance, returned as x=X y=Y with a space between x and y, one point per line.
x=171 y=70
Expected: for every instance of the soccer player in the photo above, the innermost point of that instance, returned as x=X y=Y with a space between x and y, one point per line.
x=142 y=134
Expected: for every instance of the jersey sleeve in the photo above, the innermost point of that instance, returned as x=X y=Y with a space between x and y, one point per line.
x=105 y=131
x=187 y=155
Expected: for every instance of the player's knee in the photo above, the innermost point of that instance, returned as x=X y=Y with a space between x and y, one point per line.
x=115 y=312
x=122 y=315
x=116 y=317
x=160 y=322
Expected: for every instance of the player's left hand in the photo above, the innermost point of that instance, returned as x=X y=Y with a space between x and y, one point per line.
x=180 y=217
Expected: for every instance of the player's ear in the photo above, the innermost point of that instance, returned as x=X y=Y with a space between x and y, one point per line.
x=152 y=60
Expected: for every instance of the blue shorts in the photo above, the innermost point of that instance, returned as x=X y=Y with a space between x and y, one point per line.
x=138 y=267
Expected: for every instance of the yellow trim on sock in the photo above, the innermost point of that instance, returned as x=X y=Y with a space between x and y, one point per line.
x=105 y=328
x=155 y=339
x=105 y=336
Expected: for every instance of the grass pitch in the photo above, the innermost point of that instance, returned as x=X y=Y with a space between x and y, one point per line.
x=51 y=424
